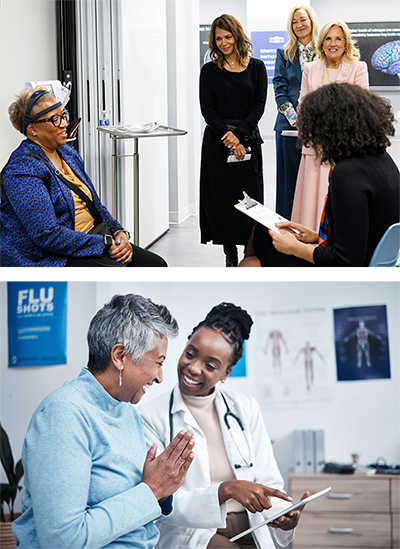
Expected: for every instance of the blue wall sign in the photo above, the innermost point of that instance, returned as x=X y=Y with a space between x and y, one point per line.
x=265 y=44
x=37 y=323
x=239 y=369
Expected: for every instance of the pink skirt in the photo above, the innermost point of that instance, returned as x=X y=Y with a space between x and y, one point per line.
x=311 y=190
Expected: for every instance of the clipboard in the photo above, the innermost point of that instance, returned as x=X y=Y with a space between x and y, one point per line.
x=260 y=213
x=283 y=512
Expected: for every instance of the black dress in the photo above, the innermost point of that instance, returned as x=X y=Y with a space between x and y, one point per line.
x=230 y=99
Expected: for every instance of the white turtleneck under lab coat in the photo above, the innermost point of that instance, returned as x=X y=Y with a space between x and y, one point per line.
x=197 y=513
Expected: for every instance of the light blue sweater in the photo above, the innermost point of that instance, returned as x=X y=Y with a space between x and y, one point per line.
x=83 y=458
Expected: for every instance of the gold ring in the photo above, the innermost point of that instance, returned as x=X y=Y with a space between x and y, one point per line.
x=233 y=148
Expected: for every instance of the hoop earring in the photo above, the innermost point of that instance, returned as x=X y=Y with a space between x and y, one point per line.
x=120 y=377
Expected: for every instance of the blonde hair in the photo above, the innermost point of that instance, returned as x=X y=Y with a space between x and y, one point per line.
x=290 y=48
x=351 y=52
x=17 y=109
x=243 y=47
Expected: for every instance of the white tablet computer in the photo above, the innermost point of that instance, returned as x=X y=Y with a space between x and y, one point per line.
x=283 y=512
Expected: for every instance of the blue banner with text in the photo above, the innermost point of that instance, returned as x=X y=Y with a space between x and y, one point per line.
x=37 y=323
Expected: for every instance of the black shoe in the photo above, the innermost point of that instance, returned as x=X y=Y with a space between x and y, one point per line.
x=231 y=256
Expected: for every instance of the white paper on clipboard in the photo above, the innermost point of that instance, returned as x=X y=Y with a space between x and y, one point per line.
x=262 y=214
x=283 y=512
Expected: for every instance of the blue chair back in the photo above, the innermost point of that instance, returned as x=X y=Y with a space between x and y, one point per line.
x=387 y=252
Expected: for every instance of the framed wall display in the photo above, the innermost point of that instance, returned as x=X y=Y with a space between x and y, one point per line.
x=379 y=45
x=361 y=342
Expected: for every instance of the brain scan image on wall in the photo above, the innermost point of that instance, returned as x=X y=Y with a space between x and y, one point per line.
x=387 y=58
x=379 y=45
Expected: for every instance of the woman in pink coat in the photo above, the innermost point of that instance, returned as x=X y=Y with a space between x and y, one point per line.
x=337 y=61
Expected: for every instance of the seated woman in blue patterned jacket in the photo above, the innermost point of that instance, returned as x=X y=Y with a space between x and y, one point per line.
x=44 y=223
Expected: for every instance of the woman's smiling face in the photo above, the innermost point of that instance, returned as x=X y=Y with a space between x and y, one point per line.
x=138 y=377
x=302 y=26
x=334 y=44
x=45 y=134
x=225 y=41
x=205 y=361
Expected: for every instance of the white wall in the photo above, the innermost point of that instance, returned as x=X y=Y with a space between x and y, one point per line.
x=145 y=90
x=28 y=51
x=183 y=107
x=210 y=9
x=362 y=416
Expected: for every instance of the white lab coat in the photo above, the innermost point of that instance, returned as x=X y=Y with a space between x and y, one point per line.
x=196 y=511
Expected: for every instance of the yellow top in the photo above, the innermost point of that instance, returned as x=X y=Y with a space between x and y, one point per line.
x=84 y=220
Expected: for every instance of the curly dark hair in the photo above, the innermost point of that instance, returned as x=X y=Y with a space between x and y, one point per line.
x=233 y=322
x=343 y=121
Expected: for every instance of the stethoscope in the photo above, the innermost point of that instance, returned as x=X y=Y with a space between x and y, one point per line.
x=228 y=413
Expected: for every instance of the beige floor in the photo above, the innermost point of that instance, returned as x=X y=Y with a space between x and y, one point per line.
x=181 y=247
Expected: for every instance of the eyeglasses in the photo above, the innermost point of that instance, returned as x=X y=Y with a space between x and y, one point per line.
x=56 y=119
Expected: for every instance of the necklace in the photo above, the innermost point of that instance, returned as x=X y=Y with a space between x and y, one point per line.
x=230 y=66
x=325 y=77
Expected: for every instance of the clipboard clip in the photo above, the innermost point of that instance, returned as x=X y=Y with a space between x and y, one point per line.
x=247 y=202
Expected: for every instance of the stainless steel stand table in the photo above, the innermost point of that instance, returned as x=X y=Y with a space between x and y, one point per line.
x=123 y=132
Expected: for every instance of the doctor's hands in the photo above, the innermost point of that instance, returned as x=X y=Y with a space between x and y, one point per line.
x=165 y=474
x=291 y=520
x=253 y=496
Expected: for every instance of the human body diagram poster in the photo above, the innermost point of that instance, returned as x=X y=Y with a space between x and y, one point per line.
x=295 y=356
x=362 y=344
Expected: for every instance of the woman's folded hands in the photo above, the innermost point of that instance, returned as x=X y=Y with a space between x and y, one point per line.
x=165 y=474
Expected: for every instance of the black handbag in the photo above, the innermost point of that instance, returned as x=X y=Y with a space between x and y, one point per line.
x=100 y=228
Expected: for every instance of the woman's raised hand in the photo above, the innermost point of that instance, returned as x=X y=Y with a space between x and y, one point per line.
x=253 y=496
x=165 y=474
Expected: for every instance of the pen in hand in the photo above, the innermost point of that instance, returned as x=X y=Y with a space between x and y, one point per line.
x=295 y=231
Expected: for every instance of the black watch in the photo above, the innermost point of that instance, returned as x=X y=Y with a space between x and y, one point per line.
x=108 y=242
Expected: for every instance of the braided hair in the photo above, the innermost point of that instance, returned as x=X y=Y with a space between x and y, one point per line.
x=233 y=322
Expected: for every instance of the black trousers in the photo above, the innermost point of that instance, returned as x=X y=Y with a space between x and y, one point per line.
x=269 y=256
x=140 y=258
x=288 y=158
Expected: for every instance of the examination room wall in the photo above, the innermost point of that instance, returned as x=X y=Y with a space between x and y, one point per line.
x=28 y=51
x=359 y=416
